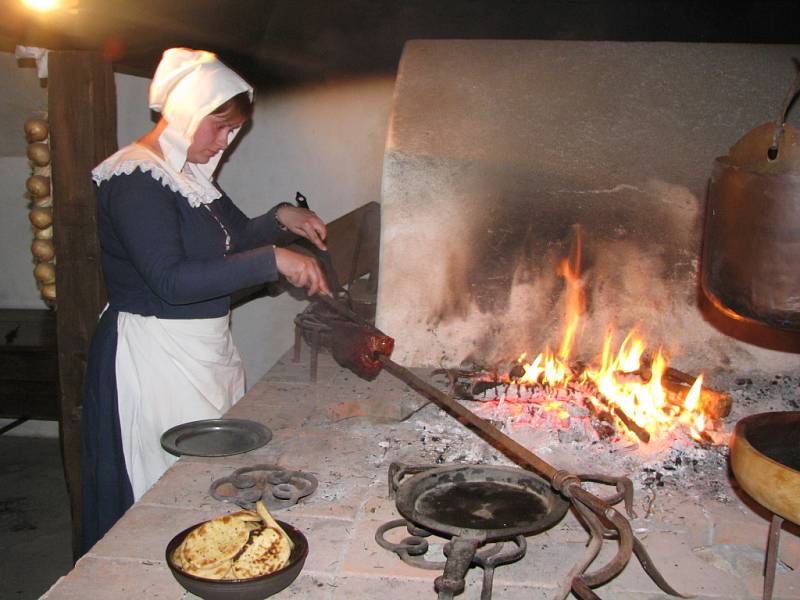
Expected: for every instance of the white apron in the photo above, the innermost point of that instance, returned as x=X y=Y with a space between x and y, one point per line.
x=170 y=371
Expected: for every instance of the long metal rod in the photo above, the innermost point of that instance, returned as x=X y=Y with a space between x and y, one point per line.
x=343 y=311
x=511 y=448
x=564 y=482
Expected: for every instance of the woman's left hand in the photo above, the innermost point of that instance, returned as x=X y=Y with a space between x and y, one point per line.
x=304 y=222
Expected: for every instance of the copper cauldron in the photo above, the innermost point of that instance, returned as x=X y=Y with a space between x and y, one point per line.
x=751 y=245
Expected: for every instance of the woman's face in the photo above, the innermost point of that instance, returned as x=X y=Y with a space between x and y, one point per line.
x=212 y=136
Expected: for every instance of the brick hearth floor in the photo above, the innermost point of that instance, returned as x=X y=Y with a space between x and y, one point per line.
x=704 y=547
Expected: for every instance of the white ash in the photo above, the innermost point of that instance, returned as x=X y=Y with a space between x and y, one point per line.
x=763 y=393
x=446 y=441
x=670 y=463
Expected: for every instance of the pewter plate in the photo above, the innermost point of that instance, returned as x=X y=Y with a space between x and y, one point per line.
x=215 y=437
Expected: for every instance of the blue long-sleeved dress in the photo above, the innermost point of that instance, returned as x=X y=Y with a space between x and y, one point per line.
x=160 y=257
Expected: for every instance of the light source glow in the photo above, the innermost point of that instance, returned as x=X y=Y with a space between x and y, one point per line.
x=42 y=5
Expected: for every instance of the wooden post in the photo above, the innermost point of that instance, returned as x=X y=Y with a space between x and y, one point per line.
x=83 y=131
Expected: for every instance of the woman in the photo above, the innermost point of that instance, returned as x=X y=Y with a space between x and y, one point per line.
x=174 y=247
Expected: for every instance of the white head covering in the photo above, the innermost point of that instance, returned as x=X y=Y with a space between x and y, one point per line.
x=187 y=86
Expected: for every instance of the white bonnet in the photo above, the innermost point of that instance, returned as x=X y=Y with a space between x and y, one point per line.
x=187 y=86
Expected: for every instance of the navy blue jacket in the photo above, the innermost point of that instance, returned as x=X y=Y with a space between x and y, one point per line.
x=163 y=258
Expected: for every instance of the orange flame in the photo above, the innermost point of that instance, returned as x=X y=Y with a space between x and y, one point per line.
x=621 y=378
x=575 y=301
x=696 y=420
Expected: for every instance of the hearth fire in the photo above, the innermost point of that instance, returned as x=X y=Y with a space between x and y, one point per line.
x=628 y=391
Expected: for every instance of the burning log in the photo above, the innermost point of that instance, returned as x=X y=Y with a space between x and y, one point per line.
x=641 y=433
x=467 y=385
x=677 y=384
x=602 y=421
x=616 y=411
x=607 y=416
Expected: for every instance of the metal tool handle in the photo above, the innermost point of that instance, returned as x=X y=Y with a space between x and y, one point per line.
x=344 y=311
x=323 y=256
x=460 y=555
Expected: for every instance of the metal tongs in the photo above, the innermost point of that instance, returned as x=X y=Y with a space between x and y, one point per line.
x=598 y=515
x=324 y=258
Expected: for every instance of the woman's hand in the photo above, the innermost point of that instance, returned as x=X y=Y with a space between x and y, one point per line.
x=304 y=222
x=301 y=271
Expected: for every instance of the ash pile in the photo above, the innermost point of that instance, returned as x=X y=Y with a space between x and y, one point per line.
x=671 y=462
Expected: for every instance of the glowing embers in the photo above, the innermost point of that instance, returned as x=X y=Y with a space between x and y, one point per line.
x=618 y=397
x=625 y=391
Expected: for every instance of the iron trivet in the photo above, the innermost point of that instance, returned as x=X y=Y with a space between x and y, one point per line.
x=313 y=326
x=413 y=548
x=479 y=508
x=309 y=327
x=275 y=486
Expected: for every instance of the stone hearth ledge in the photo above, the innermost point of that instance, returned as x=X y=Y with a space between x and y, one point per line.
x=703 y=546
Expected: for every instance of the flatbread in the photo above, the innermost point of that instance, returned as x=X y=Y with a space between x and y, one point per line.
x=214 y=542
x=269 y=521
x=177 y=556
x=240 y=545
x=266 y=552
x=219 y=571
x=247 y=516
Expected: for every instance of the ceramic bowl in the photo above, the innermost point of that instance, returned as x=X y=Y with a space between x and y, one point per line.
x=255 y=588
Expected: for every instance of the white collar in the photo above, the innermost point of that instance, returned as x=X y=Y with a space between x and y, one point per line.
x=190 y=183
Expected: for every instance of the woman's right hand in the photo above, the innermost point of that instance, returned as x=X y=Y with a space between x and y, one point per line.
x=301 y=271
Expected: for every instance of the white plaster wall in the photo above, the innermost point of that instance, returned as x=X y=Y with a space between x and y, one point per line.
x=24 y=96
x=133 y=116
x=326 y=141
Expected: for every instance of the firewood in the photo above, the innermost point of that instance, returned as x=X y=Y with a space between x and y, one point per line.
x=632 y=425
x=630 y=377
x=713 y=404
x=641 y=433
x=602 y=421
x=677 y=383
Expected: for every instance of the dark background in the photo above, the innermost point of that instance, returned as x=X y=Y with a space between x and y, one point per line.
x=279 y=41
